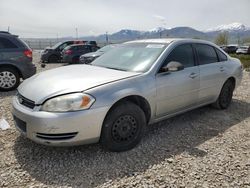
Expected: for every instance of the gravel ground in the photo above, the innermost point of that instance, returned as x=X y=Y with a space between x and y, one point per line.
x=201 y=148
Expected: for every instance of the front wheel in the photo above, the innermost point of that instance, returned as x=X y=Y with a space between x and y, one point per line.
x=53 y=59
x=9 y=79
x=225 y=96
x=123 y=127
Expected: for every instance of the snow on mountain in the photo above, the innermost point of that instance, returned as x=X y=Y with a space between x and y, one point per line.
x=229 y=27
x=157 y=29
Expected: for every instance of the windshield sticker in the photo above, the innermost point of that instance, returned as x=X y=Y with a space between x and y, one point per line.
x=155 y=46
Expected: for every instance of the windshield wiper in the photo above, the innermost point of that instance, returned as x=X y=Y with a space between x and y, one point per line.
x=115 y=68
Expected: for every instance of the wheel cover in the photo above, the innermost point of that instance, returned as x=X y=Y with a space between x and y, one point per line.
x=7 y=79
x=124 y=129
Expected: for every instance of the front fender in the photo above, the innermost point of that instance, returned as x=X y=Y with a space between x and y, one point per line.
x=108 y=94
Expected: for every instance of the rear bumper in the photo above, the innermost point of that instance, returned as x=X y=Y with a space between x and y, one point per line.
x=28 y=70
x=59 y=129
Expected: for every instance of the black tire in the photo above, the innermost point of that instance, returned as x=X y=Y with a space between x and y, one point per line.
x=225 y=96
x=123 y=127
x=9 y=79
x=53 y=59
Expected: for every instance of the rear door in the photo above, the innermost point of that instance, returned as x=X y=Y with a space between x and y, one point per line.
x=211 y=73
x=178 y=90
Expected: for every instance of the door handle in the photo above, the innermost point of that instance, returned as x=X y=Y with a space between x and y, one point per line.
x=193 y=75
x=222 y=69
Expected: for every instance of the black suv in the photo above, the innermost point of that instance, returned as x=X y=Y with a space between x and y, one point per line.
x=53 y=54
x=15 y=61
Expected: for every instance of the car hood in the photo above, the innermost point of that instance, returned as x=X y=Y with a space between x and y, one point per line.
x=68 y=79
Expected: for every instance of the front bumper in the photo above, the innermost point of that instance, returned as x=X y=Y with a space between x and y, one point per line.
x=45 y=56
x=59 y=129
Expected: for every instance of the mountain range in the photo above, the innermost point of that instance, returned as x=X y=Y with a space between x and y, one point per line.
x=236 y=32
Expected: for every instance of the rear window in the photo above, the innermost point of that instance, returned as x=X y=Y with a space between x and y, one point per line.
x=24 y=43
x=6 y=44
x=206 y=54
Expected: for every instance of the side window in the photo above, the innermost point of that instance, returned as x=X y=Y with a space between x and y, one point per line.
x=182 y=54
x=6 y=44
x=206 y=54
x=222 y=56
x=87 y=49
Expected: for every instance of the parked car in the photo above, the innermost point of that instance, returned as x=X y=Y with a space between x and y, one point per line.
x=243 y=50
x=112 y=99
x=15 y=61
x=53 y=54
x=72 y=53
x=231 y=49
x=89 y=57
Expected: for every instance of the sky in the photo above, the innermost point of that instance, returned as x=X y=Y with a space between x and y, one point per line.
x=60 y=18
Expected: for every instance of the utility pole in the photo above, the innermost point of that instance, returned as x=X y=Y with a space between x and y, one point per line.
x=8 y=28
x=238 y=38
x=76 y=33
x=107 y=38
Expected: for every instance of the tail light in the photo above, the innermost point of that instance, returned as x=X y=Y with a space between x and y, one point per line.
x=28 y=53
x=68 y=52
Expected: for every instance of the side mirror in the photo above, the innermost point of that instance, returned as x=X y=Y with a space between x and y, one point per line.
x=172 y=66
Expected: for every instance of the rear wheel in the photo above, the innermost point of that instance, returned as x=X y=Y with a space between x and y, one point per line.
x=123 y=127
x=9 y=79
x=53 y=59
x=225 y=96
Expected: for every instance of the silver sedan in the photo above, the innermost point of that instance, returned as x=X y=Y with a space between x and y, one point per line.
x=115 y=97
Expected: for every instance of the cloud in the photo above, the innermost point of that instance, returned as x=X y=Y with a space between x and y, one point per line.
x=160 y=18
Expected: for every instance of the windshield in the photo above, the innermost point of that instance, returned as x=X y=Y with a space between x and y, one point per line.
x=136 y=57
x=106 y=48
x=56 y=45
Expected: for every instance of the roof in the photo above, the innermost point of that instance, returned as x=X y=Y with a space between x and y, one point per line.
x=83 y=44
x=168 y=40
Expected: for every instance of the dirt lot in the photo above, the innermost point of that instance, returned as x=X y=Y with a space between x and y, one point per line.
x=201 y=148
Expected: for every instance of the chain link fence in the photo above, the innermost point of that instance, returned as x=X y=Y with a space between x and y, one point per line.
x=41 y=44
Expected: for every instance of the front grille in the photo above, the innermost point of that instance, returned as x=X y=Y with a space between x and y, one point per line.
x=62 y=136
x=26 y=102
x=20 y=124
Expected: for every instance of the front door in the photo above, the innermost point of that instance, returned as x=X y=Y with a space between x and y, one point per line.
x=178 y=90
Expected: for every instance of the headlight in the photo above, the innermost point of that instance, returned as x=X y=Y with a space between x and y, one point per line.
x=70 y=102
